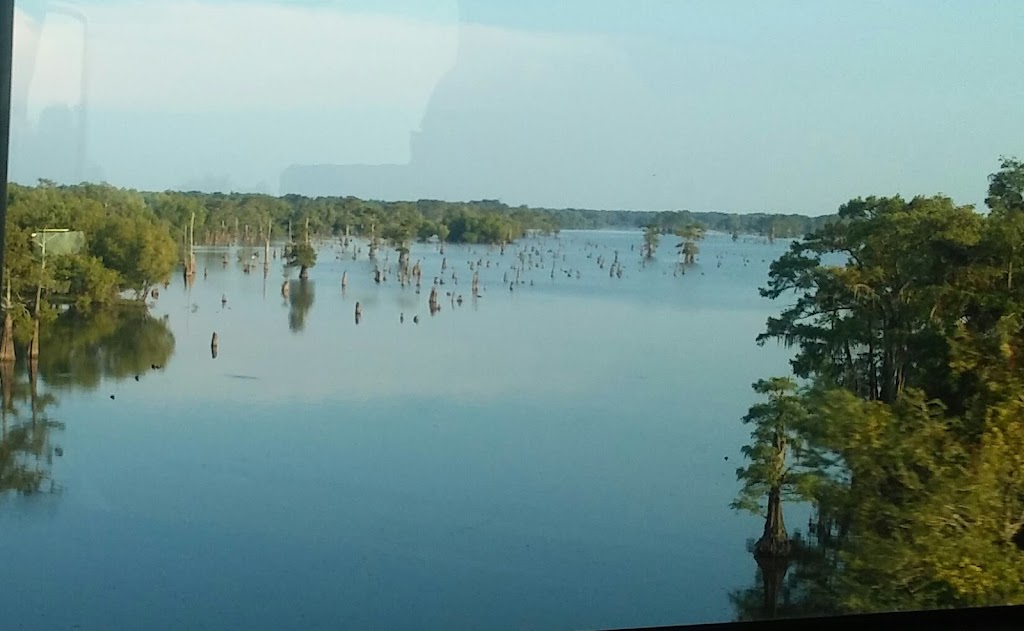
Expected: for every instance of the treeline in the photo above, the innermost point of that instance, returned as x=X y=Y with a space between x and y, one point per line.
x=782 y=226
x=903 y=421
x=132 y=240
x=224 y=218
x=230 y=218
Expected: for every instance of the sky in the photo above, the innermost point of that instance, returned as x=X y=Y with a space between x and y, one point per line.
x=740 y=106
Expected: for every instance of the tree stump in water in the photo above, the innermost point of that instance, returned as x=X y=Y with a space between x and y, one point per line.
x=433 y=302
x=213 y=345
x=285 y=289
x=344 y=280
x=33 y=346
x=359 y=313
x=7 y=342
x=774 y=542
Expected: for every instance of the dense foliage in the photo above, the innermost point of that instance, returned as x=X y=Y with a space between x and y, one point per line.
x=906 y=320
x=128 y=249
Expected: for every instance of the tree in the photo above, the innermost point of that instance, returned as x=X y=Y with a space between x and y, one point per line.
x=876 y=324
x=651 y=238
x=1006 y=226
x=781 y=466
x=301 y=255
x=139 y=249
x=688 y=248
x=89 y=285
x=908 y=322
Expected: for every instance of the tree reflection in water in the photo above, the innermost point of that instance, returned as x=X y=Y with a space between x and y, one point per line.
x=114 y=344
x=301 y=296
x=802 y=584
x=26 y=452
x=75 y=352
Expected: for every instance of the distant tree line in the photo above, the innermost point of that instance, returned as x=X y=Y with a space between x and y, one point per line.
x=133 y=240
x=234 y=218
x=769 y=225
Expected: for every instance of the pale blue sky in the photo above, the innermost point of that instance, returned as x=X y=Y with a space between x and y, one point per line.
x=781 y=106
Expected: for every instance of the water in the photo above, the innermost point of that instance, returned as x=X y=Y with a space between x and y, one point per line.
x=551 y=457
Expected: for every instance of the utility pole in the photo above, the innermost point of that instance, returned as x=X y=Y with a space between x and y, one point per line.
x=33 y=349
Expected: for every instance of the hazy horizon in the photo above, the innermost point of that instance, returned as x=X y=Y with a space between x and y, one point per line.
x=782 y=107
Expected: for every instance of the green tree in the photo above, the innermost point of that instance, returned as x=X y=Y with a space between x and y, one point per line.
x=301 y=255
x=908 y=321
x=89 y=285
x=781 y=464
x=1006 y=201
x=688 y=248
x=876 y=323
x=139 y=249
x=652 y=236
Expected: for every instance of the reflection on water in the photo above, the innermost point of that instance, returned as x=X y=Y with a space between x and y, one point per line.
x=116 y=344
x=806 y=583
x=26 y=452
x=301 y=296
x=550 y=454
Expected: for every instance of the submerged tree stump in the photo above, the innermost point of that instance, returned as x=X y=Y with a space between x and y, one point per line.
x=774 y=542
x=7 y=353
x=434 y=305
x=33 y=346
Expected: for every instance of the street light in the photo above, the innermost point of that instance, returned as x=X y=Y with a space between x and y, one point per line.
x=42 y=242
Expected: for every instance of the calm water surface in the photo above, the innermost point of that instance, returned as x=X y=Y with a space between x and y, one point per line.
x=551 y=457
